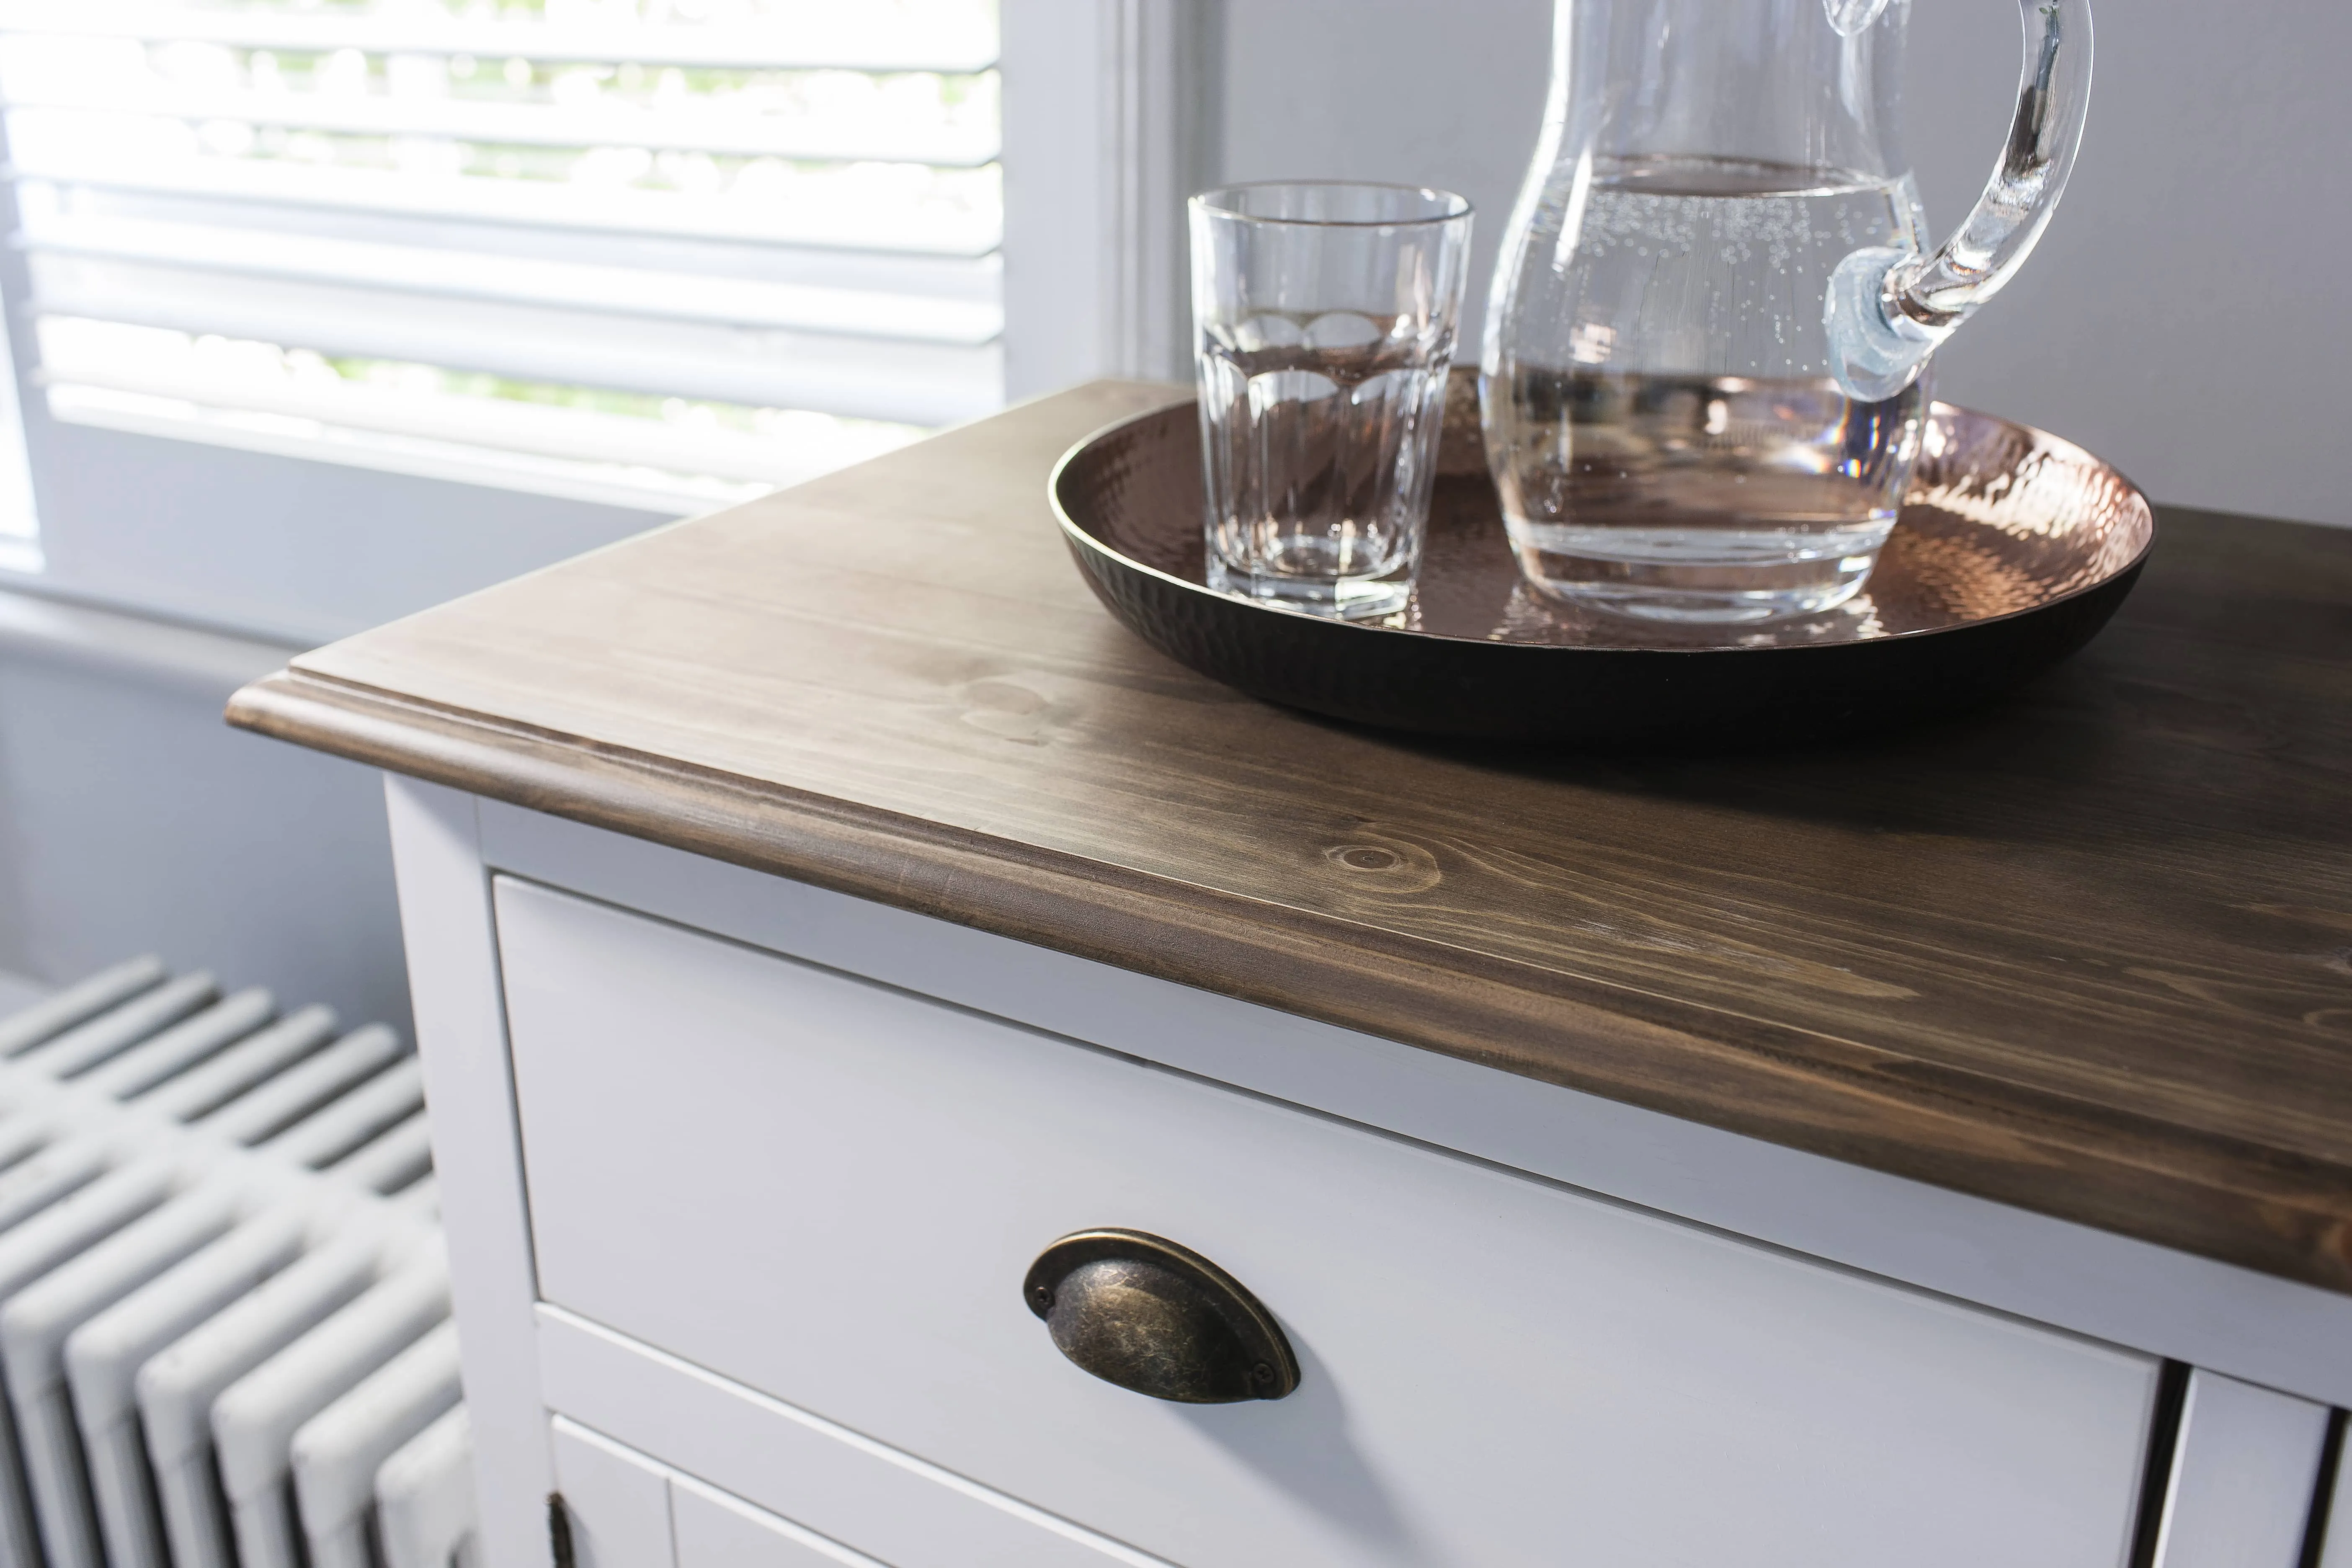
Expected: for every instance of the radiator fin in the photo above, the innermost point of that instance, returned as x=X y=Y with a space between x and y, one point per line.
x=225 y=1331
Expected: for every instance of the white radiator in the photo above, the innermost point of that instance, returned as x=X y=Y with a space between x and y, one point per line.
x=224 y=1328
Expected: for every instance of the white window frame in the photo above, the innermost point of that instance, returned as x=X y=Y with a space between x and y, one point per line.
x=1110 y=119
x=1105 y=122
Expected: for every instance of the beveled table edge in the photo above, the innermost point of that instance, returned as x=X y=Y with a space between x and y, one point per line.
x=1867 y=1105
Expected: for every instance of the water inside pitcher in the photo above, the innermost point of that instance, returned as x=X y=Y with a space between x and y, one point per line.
x=1704 y=379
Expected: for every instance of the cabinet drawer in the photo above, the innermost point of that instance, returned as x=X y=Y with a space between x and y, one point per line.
x=829 y=1192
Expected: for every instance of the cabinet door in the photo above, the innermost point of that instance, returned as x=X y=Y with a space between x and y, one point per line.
x=2244 y=1474
x=829 y=1192
x=624 y=1509
x=818 y=1486
x=2333 y=1518
x=615 y=1502
x=716 y=1530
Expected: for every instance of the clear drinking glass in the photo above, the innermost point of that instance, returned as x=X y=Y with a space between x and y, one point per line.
x=1702 y=383
x=1323 y=318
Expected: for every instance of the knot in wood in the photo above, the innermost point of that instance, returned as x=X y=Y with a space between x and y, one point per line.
x=1390 y=866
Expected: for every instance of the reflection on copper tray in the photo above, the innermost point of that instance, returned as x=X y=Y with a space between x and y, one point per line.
x=2013 y=549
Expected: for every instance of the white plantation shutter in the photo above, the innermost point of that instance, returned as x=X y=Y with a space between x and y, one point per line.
x=661 y=253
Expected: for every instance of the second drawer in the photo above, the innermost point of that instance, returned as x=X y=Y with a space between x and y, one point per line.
x=623 y=1510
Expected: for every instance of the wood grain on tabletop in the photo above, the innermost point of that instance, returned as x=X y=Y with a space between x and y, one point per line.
x=2089 y=953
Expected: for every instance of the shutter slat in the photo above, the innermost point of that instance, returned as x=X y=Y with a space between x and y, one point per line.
x=865 y=34
x=524 y=280
x=793 y=214
x=869 y=378
x=658 y=490
x=940 y=229
x=695 y=128
x=579 y=435
x=970 y=279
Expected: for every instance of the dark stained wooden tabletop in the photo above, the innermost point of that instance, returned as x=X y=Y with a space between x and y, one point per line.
x=2089 y=951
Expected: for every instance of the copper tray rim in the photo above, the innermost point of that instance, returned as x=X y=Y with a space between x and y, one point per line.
x=1076 y=537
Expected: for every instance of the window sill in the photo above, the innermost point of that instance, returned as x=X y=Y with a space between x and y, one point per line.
x=126 y=645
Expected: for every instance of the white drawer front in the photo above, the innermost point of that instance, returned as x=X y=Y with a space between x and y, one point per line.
x=829 y=1192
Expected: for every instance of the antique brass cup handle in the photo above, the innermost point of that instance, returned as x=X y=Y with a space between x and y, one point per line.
x=1147 y=1314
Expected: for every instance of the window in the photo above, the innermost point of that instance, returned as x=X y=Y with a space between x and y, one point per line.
x=325 y=310
x=658 y=253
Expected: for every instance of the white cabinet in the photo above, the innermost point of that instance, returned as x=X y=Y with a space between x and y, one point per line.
x=746 y=1178
x=823 y=1194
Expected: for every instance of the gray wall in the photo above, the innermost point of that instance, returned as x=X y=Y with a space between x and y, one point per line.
x=303 y=551
x=131 y=820
x=2185 y=315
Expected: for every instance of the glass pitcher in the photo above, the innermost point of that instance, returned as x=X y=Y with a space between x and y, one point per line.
x=1703 y=377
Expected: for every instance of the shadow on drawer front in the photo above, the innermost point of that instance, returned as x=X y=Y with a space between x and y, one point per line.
x=831 y=1192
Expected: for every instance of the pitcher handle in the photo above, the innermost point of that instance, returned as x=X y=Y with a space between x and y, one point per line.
x=1887 y=307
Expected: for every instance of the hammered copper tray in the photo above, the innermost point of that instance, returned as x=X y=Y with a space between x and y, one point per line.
x=2013 y=549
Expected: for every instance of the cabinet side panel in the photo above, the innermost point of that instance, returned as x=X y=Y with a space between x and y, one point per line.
x=453 y=977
